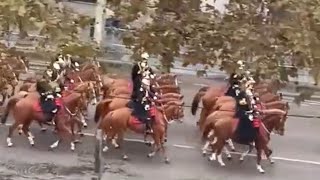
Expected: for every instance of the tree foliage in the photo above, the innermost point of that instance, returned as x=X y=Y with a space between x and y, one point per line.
x=48 y=19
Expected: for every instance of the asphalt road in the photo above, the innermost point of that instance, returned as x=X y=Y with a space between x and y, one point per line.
x=297 y=153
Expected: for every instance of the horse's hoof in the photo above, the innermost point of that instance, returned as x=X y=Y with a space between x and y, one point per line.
x=167 y=161
x=150 y=155
x=32 y=145
x=229 y=158
x=77 y=141
x=241 y=160
x=165 y=139
x=148 y=143
x=204 y=154
x=125 y=157
x=10 y=145
x=117 y=147
x=43 y=129
x=272 y=161
x=105 y=149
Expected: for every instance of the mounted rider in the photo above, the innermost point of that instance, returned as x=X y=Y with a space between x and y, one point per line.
x=142 y=92
x=235 y=81
x=47 y=99
x=255 y=103
x=245 y=131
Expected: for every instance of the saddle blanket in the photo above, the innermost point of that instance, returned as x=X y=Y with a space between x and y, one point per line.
x=136 y=120
x=37 y=106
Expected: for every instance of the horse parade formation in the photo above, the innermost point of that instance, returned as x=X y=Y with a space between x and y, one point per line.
x=240 y=111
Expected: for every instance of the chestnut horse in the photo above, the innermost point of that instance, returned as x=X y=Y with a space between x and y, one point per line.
x=116 y=123
x=28 y=109
x=221 y=126
x=208 y=96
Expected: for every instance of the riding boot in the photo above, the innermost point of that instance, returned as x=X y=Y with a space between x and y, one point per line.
x=48 y=118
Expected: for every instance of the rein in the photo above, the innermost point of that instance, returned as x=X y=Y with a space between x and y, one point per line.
x=164 y=112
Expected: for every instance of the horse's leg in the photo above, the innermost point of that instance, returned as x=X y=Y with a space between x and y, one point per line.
x=227 y=153
x=121 y=142
x=26 y=131
x=268 y=153
x=214 y=146
x=259 y=152
x=20 y=131
x=43 y=129
x=83 y=120
x=207 y=144
x=246 y=153
x=163 y=148
x=79 y=125
x=155 y=148
x=229 y=141
x=219 y=146
x=11 y=130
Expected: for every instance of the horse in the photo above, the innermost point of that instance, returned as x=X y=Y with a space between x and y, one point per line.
x=116 y=123
x=27 y=109
x=220 y=128
x=227 y=102
x=208 y=97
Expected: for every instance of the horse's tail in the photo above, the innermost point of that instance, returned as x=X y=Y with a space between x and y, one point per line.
x=196 y=99
x=11 y=103
x=100 y=108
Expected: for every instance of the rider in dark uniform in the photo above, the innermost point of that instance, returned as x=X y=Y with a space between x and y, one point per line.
x=47 y=101
x=245 y=131
x=234 y=84
x=142 y=93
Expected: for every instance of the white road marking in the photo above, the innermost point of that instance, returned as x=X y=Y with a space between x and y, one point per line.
x=184 y=146
x=199 y=84
x=193 y=147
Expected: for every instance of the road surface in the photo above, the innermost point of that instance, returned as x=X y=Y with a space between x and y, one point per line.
x=297 y=153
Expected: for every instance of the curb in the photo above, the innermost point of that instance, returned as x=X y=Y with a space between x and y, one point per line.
x=304 y=116
x=288 y=94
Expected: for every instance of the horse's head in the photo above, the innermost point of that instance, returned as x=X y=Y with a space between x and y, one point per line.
x=173 y=112
x=281 y=126
x=276 y=122
x=74 y=102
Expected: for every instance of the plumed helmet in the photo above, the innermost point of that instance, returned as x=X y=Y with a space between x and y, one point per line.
x=56 y=66
x=145 y=56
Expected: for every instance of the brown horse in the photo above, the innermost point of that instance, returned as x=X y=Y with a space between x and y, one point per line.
x=208 y=97
x=221 y=125
x=118 y=121
x=28 y=109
